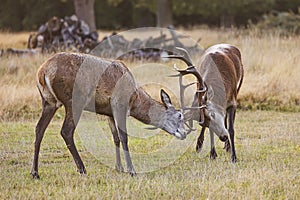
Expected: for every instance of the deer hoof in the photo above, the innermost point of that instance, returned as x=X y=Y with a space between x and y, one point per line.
x=132 y=173
x=82 y=171
x=213 y=154
x=35 y=175
x=198 y=147
x=233 y=159
x=199 y=144
x=119 y=168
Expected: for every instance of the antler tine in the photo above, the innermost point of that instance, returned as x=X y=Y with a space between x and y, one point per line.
x=180 y=57
x=201 y=89
x=195 y=108
x=151 y=128
x=190 y=127
x=193 y=70
x=187 y=58
x=189 y=70
x=186 y=53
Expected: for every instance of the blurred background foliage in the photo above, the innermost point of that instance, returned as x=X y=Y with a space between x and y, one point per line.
x=19 y=15
x=284 y=22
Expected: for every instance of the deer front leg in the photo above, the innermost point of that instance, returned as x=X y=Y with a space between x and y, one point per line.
x=124 y=140
x=200 y=140
x=231 y=117
x=114 y=132
x=120 y=123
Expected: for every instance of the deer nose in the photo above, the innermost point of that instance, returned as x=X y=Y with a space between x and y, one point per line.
x=223 y=138
x=180 y=135
x=183 y=136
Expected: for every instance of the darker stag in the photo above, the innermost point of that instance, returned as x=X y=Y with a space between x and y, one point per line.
x=221 y=67
x=84 y=82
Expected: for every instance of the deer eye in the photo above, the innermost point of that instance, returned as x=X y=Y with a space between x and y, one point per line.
x=179 y=116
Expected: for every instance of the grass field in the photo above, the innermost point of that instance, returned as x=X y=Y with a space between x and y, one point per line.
x=267 y=135
x=267 y=145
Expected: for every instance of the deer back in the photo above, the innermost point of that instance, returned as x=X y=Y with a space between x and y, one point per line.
x=222 y=69
x=67 y=74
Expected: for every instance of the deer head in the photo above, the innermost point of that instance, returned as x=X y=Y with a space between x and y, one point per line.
x=203 y=110
x=173 y=122
x=223 y=63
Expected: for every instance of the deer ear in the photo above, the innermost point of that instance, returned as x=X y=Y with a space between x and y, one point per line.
x=210 y=93
x=165 y=98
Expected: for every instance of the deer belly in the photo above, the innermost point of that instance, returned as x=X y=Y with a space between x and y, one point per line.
x=100 y=105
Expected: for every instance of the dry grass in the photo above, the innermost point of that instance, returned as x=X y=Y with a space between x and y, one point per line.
x=13 y=40
x=272 y=68
x=271 y=62
x=19 y=96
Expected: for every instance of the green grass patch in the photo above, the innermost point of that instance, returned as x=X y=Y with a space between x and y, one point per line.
x=267 y=147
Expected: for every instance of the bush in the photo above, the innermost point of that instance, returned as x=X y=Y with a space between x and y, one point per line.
x=286 y=22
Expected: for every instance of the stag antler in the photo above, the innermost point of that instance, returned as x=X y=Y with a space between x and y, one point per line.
x=198 y=103
x=191 y=69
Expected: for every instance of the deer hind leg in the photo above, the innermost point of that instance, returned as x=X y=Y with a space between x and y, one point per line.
x=231 y=117
x=67 y=133
x=213 y=153
x=200 y=140
x=114 y=132
x=47 y=114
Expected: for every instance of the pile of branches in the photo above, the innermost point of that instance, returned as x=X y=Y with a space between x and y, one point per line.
x=59 y=34
x=153 y=48
x=73 y=34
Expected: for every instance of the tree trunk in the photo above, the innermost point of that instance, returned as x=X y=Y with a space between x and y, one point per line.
x=84 y=10
x=164 y=13
x=227 y=21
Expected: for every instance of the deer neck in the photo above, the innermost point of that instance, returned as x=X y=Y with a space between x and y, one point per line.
x=146 y=109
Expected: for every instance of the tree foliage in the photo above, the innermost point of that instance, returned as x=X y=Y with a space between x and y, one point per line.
x=19 y=15
x=284 y=22
x=213 y=11
x=30 y=14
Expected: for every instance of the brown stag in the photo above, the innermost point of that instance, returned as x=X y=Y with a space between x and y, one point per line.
x=215 y=100
x=85 y=82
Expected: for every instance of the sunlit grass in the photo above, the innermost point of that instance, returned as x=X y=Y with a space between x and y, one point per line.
x=267 y=148
x=271 y=62
x=13 y=40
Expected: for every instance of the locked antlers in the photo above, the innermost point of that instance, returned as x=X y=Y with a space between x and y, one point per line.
x=199 y=97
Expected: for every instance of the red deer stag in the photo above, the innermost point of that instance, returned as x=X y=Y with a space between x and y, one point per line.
x=85 y=82
x=222 y=73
